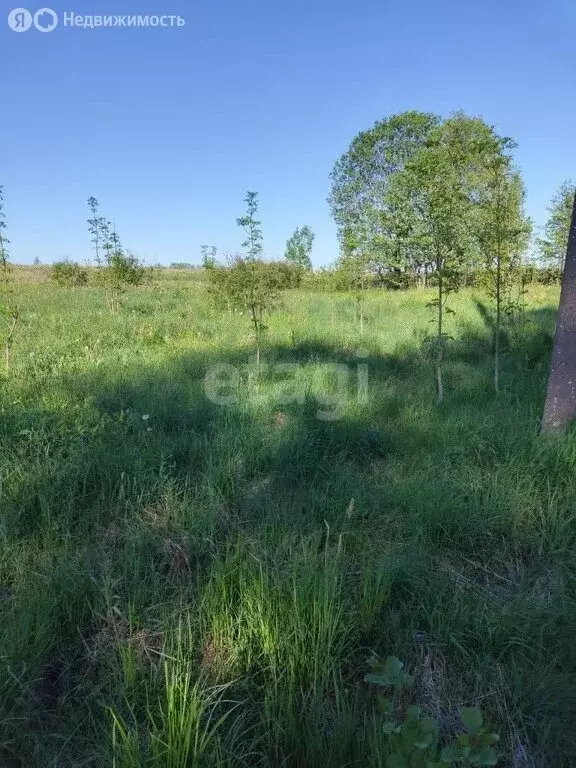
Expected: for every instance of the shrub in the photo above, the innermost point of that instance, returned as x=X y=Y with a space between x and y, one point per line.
x=414 y=737
x=122 y=271
x=68 y=274
x=284 y=275
x=248 y=285
x=549 y=275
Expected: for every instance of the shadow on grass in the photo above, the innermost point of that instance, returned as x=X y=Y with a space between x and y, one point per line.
x=137 y=476
x=280 y=452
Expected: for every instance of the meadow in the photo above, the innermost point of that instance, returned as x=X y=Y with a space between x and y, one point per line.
x=190 y=583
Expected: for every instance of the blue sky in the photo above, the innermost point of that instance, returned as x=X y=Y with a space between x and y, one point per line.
x=168 y=128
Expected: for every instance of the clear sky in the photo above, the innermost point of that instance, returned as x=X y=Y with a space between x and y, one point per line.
x=168 y=128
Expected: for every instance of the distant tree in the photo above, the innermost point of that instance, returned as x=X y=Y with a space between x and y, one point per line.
x=97 y=227
x=502 y=230
x=117 y=271
x=359 y=199
x=107 y=241
x=553 y=244
x=4 y=242
x=122 y=271
x=8 y=307
x=208 y=256
x=36 y=262
x=299 y=247
x=248 y=283
x=252 y=245
x=560 y=406
x=181 y=265
x=66 y=273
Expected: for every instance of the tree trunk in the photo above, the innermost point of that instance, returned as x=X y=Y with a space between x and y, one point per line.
x=560 y=407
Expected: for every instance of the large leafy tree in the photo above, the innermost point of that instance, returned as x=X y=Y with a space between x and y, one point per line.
x=360 y=182
x=557 y=228
x=421 y=196
x=299 y=247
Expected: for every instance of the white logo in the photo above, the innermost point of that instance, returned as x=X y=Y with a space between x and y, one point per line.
x=45 y=20
x=20 y=20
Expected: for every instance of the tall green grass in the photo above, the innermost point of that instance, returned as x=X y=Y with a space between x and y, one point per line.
x=189 y=584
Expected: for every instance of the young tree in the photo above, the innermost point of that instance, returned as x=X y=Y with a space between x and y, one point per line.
x=96 y=226
x=247 y=286
x=248 y=283
x=117 y=270
x=354 y=272
x=502 y=230
x=299 y=247
x=560 y=407
x=553 y=245
x=208 y=256
x=8 y=308
x=106 y=241
x=433 y=197
x=122 y=271
x=253 y=244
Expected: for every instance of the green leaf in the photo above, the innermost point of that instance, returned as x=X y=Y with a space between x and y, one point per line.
x=389 y=727
x=391 y=672
x=428 y=725
x=370 y=677
x=423 y=741
x=413 y=713
x=485 y=756
x=393 y=666
x=472 y=718
x=384 y=705
x=394 y=669
x=450 y=754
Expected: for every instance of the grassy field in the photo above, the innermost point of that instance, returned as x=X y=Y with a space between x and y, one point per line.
x=190 y=583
